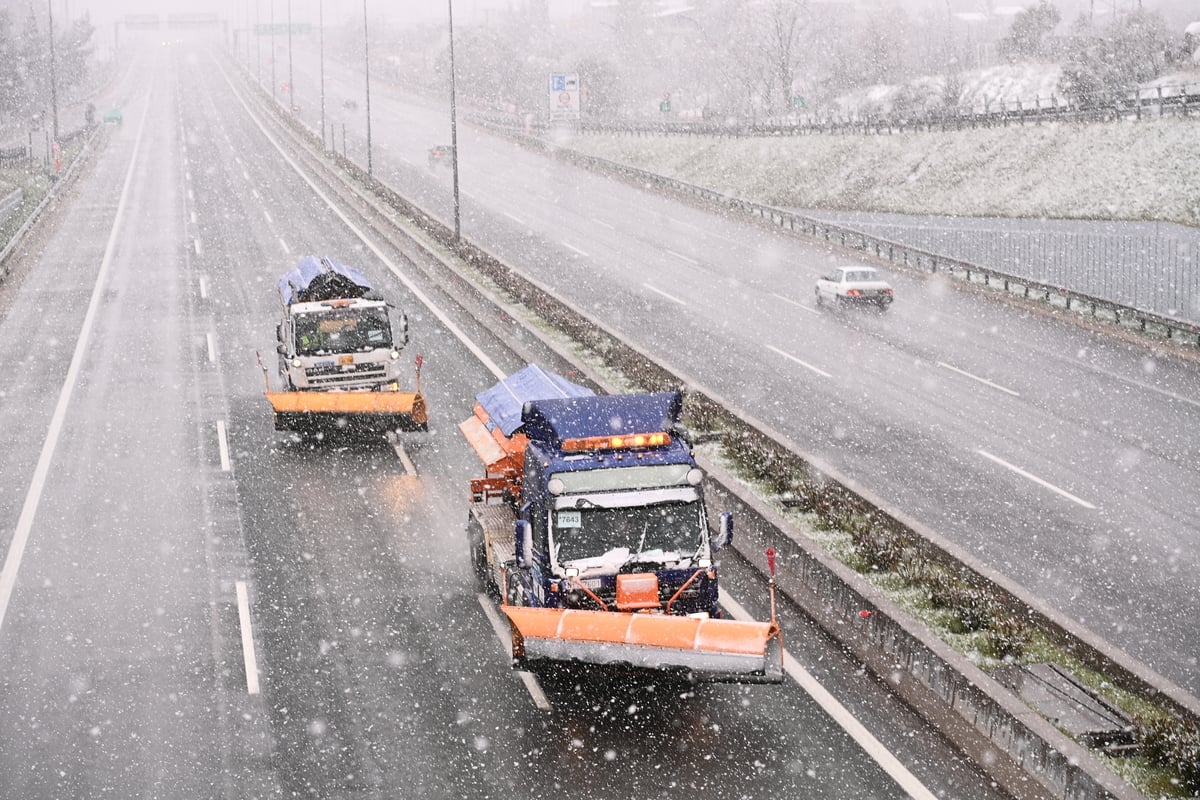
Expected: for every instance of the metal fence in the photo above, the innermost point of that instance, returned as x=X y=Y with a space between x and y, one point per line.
x=1144 y=265
x=1161 y=101
x=10 y=203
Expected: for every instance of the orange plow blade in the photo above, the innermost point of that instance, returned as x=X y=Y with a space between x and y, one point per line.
x=703 y=649
x=367 y=411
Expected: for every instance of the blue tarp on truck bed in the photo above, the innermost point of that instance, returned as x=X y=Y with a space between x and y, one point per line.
x=315 y=279
x=504 y=401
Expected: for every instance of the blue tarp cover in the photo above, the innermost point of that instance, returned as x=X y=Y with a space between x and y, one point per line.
x=553 y=421
x=504 y=401
x=316 y=279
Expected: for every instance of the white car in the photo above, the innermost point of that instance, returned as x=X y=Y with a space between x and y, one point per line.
x=847 y=286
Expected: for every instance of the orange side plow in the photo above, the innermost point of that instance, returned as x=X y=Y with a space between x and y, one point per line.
x=704 y=649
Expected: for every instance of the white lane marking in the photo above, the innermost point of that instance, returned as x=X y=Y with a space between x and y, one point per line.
x=984 y=381
x=223 y=445
x=243 y=602
x=286 y=250
x=33 y=497
x=682 y=257
x=196 y=244
x=796 y=303
x=267 y=216
x=504 y=634
x=237 y=160
x=842 y=716
x=370 y=245
x=406 y=161
x=515 y=219
x=212 y=347
x=672 y=298
x=575 y=249
x=191 y=196
x=187 y=176
x=804 y=364
x=1035 y=479
x=193 y=217
x=203 y=288
x=409 y=467
x=257 y=196
x=604 y=224
x=245 y=175
x=1165 y=392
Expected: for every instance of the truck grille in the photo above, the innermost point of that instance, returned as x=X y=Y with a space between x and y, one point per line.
x=339 y=376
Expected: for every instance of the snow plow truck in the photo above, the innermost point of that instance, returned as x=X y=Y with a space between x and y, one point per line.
x=590 y=529
x=339 y=355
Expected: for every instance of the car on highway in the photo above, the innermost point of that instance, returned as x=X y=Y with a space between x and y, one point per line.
x=854 y=286
x=113 y=117
x=440 y=154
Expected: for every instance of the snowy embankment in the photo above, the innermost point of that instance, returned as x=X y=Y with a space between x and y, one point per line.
x=1129 y=170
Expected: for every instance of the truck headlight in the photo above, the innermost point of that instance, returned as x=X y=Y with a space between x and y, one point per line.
x=395 y=354
x=296 y=363
x=694 y=477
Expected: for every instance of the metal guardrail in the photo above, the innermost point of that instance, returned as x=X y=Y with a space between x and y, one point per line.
x=1172 y=329
x=979 y=714
x=62 y=180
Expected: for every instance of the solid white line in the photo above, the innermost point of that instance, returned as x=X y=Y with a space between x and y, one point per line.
x=603 y=224
x=515 y=219
x=193 y=217
x=984 y=381
x=409 y=467
x=212 y=347
x=187 y=176
x=664 y=294
x=504 y=634
x=682 y=257
x=286 y=250
x=797 y=304
x=1035 y=479
x=203 y=288
x=804 y=364
x=267 y=216
x=190 y=195
x=839 y=714
x=223 y=445
x=370 y=245
x=196 y=243
x=16 y=547
x=251 y=661
x=576 y=249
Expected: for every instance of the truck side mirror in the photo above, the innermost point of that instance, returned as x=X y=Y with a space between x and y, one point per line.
x=524 y=544
x=724 y=531
x=279 y=332
x=403 y=329
x=281 y=349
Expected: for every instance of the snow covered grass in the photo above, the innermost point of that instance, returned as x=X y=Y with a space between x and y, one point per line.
x=1128 y=170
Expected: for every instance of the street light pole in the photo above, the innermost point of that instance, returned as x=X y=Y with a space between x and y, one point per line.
x=291 y=81
x=53 y=76
x=367 y=71
x=321 y=56
x=453 y=127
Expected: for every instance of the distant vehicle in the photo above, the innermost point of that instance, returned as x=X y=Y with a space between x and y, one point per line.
x=113 y=117
x=847 y=286
x=350 y=104
x=441 y=154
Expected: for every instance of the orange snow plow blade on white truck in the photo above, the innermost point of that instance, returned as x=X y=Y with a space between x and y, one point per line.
x=349 y=410
x=702 y=649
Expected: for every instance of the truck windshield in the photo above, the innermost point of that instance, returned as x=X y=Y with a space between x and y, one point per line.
x=342 y=330
x=667 y=531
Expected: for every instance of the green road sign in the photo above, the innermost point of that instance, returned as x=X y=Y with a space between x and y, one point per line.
x=664 y=106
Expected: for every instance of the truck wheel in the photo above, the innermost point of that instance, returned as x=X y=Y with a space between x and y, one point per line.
x=483 y=580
